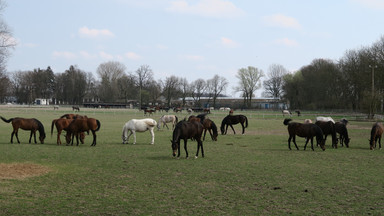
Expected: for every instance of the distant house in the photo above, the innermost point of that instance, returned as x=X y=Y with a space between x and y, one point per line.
x=41 y=101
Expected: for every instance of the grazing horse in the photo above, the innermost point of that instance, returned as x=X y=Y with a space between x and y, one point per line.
x=211 y=127
x=286 y=112
x=150 y=111
x=26 y=124
x=328 y=127
x=177 y=109
x=62 y=124
x=72 y=116
x=207 y=110
x=306 y=130
x=230 y=120
x=76 y=108
x=138 y=125
x=81 y=125
x=166 y=119
x=376 y=132
x=321 y=118
x=341 y=129
x=187 y=130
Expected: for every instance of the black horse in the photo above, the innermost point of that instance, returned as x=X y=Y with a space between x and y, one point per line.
x=307 y=130
x=328 y=127
x=187 y=130
x=230 y=120
x=341 y=129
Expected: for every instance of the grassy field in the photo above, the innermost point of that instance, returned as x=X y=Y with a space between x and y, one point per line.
x=251 y=174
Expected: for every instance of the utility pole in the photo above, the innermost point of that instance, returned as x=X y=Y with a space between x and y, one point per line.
x=372 y=91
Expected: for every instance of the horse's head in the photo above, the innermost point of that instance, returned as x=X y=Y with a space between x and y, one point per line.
x=372 y=144
x=41 y=138
x=174 y=147
x=321 y=142
x=347 y=142
x=68 y=137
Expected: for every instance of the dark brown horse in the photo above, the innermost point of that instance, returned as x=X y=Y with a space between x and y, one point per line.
x=76 y=108
x=187 y=130
x=230 y=120
x=62 y=124
x=32 y=125
x=150 y=111
x=307 y=130
x=81 y=125
x=211 y=127
x=328 y=127
x=376 y=132
x=72 y=116
x=341 y=129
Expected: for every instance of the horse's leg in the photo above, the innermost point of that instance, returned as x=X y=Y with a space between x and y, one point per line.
x=77 y=139
x=58 y=137
x=130 y=133
x=199 y=144
x=73 y=137
x=185 y=147
x=34 y=136
x=166 y=125
x=312 y=144
x=13 y=133
x=178 y=149
x=134 y=136
x=94 y=138
x=205 y=131
x=289 y=142
x=30 y=136
x=379 y=142
x=242 y=125
x=294 y=141
x=306 y=142
x=226 y=129
x=234 y=132
x=153 y=136
x=17 y=136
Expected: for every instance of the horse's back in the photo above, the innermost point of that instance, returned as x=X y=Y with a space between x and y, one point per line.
x=303 y=130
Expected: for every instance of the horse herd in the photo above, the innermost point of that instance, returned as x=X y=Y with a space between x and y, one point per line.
x=192 y=128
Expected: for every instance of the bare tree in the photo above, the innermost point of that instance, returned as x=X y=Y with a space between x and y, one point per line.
x=171 y=88
x=274 y=85
x=109 y=73
x=7 y=42
x=249 y=82
x=127 y=87
x=216 y=86
x=144 y=76
x=185 y=90
x=198 y=89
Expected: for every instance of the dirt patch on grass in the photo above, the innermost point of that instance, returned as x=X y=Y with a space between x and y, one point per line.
x=21 y=170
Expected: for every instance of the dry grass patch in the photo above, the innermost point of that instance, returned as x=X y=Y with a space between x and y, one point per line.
x=21 y=170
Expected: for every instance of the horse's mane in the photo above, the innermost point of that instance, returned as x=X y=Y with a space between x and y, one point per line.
x=40 y=127
x=286 y=121
x=214 y=127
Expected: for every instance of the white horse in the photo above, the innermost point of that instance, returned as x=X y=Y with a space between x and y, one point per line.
x=166 y=119
x=286 y=112
x=138 y=125
x=326 y=119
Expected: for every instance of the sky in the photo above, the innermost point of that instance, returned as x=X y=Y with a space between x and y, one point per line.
x=190 y=39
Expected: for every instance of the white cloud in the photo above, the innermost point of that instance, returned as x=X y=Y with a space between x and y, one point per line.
x=207 y=8
x=226 y=42
x=374 y=4
x=87 y=55
x=281 y=20
x=287 y=42
x=94 y=33
x=132 y=56
x=161 y=47
x=64 y=54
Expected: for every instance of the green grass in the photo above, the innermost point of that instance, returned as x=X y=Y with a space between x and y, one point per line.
x=251 y=174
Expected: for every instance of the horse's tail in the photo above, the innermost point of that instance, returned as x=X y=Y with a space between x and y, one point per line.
x=53 y=123
x=246 y=121
x=98 y=125
x=5 y=120
x=286 y=121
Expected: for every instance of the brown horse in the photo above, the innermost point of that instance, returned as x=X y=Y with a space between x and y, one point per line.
x=187 y=130
x=62 y=124
x=211 y=127
x=72 y=116
x=150 y=111
x=230 y=120
x=328 y=127
x=26 y=124
x=81 y=125
x=307 y=130
x=76 y=108
x=376 y=132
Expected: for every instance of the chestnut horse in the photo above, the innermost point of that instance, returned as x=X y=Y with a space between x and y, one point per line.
x=307 y=130
x=62 y=124
x=26 y=124
x=81 y=125
x=187 y=130
x=211 y=127
x=376 y=132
